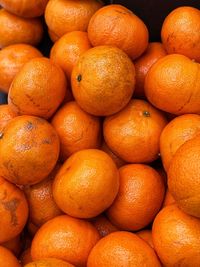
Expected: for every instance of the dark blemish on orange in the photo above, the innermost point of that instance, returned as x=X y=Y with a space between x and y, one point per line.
x=12 y=206
x=79 y=77
x=30 y=126
x=1 y=135
x=146 y=113
x=46 y=141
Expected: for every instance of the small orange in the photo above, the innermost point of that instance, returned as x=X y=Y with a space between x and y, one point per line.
x=13 y=211
x=175 y=134
x=42 y=206
x=6 y=257
x=65 y=238
x=67 y=50
x=133 y=133
x=98 y=86
x=169 y=200
x=184 y=177
x=181 y=32
x=76 y=129
x=14 y=245
x=176 y=237
x=122 y=249
x=6 y=115
x=50 y=262
x=25 y=8
x=38 y=89
x=86 y=184
x=29 y=149
x=103 y=225
x=172 y=85
x=118 y=26
x=146 y=235
x=12 y=58
x=25 y=257
x=153 y=52
x=64 y=16
x=135 y=205
x=119 y=162
x=15 y=30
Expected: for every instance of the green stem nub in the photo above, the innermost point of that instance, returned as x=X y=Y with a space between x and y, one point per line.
x=79 y=77
x=146 y=113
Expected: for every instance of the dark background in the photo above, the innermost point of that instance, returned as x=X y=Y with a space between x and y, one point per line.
x=152 y=12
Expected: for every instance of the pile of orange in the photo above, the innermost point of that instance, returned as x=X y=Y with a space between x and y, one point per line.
x=100 y=142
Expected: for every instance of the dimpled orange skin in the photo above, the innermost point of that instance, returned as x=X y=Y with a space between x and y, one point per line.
x=154 y=51
x=65 y=238
x=12 y=58
x=7 y=257
x=49 y=263
x=122 y=249
x=76 y=129
x=29 y=149
x=67 y=50
x=13 y=211
x=38 y=89
x=6 y=115
x=133 y=133
x=135 y=206
x=25 y=8
x=176 y=237
x=64 y=16
x=173 y=85
x=16 y=30
x=180 y=32
x=98 y=86
x=86 y=184
x=184 y=177
x=118 y=26
x=103 y=225
x=119 y=162
x=175 y=134
x=146 y=235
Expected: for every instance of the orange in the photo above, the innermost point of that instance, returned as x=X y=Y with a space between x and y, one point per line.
x=181 y=32
x=176 y=237
x=119 y=162
x=118 y=26
x=67 y=50
x=133 y=133
x=29 y=149
x=32 y=228
x=53 y=36
x=103 y=225
x=25 y=8
x=172 y=85
x=38 y=89
x=15 y=30
x=12 y=58
x=14 y=245
x=42 y=206
x=13 y=211
x=51 y=262
x=98 y=86
x=65 y=238
x=6 y=115
x=169 y=200
x=175 y=134
x=146 y=235
x=6 y=257
x=77 y=129
x=135 y=205
x=184 y=177
x=153 y=52
x=64 y=16
x=122 y=249
x=86 y=184
x=25 y=257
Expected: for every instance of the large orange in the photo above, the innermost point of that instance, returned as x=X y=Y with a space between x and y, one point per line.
x=122 y=249
x=16 y=30
x=25 y=8
x=181 y=32
x=133 y=133
x=6 y=115
x=77 y=129
x=29 y=149
x=135 y=205
x=65 y=238
x=12 y=58
x=13 y=211
x=118 y=26
x=64 y=16
x=86 y=184
x=173 y=85
x=6 y=257
x=50 y=262
x=100 y=87
x=103 y=225
x=153 y=52
x=175 y=134
x=67 y=50
x=38 y=89
x=184 y=177
x=176 y=237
